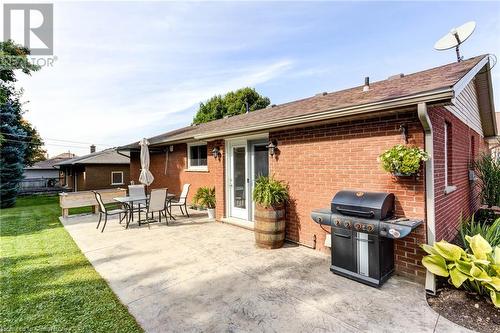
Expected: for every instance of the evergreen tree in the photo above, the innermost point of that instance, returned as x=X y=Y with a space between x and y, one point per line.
x=231 y=104
x=12 y=154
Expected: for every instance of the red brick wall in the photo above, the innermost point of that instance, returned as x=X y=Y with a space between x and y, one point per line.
x=177 y=174
x=216 y=165
x=465 y=200
x=318 y=161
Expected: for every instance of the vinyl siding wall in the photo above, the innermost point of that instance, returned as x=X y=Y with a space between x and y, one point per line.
x=466 y=108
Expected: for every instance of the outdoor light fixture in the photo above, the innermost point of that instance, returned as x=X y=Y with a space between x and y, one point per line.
x=171 y=148
x=216 y=152
x=272 y=146
x=403 y=128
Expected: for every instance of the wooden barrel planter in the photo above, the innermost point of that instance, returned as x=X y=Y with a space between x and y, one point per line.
x=269 y=226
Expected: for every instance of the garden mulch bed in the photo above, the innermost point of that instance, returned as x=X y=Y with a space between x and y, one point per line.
x=466 y=309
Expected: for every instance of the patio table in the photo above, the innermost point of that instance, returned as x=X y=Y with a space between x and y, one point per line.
x=128 y=201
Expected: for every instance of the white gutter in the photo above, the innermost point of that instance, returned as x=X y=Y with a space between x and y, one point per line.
x=433 y=96
x=430 y=280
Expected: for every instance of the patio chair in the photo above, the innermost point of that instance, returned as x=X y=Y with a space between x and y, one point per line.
x=182 y=200
x=103 y=210
x=156 y=204
x=137 y=191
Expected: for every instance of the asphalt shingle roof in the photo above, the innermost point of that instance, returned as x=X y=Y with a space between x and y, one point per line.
x=107 y=156
x=51 y=162
x=412 y=84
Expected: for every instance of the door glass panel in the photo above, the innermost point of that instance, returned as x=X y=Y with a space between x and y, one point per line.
x=239 y=181
x=261 y=161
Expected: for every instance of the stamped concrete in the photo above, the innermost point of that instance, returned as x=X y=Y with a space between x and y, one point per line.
x=196 y=275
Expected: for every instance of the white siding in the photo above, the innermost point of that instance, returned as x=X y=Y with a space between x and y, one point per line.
x=466 y=107
x=31 y=173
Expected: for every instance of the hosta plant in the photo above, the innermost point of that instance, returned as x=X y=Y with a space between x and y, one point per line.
x=478 y=271
x=403 y=160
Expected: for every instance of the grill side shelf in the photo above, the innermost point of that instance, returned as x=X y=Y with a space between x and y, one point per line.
x=398 y=228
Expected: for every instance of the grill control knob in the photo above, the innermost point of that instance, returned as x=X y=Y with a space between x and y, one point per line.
x=357 y=226
x=347 y=225
x=337 y=222
x=370 y=227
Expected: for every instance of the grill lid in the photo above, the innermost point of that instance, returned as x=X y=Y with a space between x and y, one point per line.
x=371 y=205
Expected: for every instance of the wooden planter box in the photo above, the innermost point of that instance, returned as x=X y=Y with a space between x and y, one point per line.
x=87 y=198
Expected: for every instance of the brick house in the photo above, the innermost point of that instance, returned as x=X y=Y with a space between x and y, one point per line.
x=98 y=170
x=331 y=142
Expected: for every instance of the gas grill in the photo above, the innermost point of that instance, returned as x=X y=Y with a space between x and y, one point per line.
x=363 y=229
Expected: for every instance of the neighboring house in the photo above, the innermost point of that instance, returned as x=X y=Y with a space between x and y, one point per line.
x=46 y=169
x=44 y=176
x=331 y=141
x=97 y=170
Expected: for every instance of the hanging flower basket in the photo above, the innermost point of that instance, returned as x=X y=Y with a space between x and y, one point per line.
x=402 y=160
x=399 y=174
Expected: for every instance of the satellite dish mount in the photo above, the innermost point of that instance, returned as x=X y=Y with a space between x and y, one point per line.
x=455 y=38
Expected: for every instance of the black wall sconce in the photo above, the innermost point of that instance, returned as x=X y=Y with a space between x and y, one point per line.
x=216 y=152
x=272 y=146
x=403 y=128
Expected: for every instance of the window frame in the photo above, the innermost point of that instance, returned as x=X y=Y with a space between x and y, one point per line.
x=196 y=167
x=448 y=158
x=118 y=172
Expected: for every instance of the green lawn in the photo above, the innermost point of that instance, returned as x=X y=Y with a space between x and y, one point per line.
x=46 y=283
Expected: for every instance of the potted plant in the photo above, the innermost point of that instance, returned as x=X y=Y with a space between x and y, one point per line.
x=270 y=197
x=402 y=160
x=205 y=197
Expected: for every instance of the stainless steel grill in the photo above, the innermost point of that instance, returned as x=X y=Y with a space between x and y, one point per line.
x=363 y=228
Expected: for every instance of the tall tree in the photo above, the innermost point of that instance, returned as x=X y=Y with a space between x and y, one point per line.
x=16 y=134
x=34 y=144
x=12 y=155
x=233 y=103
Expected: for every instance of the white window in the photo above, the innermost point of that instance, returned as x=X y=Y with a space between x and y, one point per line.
x=445 y=154
x=448 y=159
x=116 y=177
x=197 y=156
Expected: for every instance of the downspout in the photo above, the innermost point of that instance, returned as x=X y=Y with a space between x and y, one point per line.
x=75 y=180
x=430 y=280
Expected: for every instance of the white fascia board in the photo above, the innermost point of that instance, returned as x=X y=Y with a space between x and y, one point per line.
x=464 y=81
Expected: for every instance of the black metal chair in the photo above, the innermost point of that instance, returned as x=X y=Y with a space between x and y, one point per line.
x=104 y=211
x=182 y=202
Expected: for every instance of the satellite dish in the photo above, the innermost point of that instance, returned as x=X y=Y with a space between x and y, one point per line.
x=455 y=37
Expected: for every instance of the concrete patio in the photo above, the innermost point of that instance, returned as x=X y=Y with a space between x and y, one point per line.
x=201 y=276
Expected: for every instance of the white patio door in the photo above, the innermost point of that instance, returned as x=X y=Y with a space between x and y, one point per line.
x=259 y=166
x=238 y=180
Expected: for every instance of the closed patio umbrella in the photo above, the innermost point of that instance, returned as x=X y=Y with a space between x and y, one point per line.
x=146 y=177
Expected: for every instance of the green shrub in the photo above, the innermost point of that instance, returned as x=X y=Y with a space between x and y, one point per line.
x=476 y=270
x=490 y=232
x=205 y=197
x=269 y=192
x=402 y=159
x=488 y=171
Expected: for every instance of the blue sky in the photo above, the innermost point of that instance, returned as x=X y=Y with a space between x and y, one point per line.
x=125 y=70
